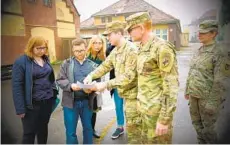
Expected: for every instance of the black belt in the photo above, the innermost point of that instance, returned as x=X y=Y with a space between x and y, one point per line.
x=45 y=101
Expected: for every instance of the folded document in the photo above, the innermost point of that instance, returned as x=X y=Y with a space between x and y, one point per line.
x=86 y=86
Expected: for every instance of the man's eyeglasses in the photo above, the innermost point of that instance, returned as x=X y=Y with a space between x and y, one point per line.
x=99 y=43
x=78 y=51
x=41 y=48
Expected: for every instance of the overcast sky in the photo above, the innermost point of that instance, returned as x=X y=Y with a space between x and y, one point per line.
x=185 y=10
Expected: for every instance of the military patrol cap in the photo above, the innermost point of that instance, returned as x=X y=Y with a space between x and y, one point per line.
x=137 y=18
x=208 y=25
x=114 y=26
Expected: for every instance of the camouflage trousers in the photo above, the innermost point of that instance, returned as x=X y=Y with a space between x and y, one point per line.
x=148 y=127
x=133 y=125
x=203 y=120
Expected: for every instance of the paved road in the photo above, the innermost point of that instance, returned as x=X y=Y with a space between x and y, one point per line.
x=183 y=131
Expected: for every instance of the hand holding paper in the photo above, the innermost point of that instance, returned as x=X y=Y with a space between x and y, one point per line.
x=75 y=87
x=101 y=86
x=87 y=80
x=86 y=86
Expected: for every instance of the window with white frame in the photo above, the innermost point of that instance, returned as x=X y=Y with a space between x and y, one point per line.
x=162 y=33
x=106 y=19
x=165 y=34
x=109 y=19
x=158 y=32
x=103 y=20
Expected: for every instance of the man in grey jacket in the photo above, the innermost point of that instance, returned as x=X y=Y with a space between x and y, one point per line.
x=76 y=101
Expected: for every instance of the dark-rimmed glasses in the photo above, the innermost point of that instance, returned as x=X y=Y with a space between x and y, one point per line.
x=41 y=48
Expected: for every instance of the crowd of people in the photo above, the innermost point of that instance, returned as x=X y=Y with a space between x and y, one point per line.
x=143 y=79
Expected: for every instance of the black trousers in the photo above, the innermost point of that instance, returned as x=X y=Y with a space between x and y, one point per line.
x=35 y=122
x=94 y=115
x=93 y=120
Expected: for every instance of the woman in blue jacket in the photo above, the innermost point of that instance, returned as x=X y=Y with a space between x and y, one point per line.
x=33 y=82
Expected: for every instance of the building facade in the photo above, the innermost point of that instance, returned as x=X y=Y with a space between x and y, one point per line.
x=164 y=25
x=55 y=20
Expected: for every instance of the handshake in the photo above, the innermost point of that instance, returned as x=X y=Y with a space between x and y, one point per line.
x=89 y=86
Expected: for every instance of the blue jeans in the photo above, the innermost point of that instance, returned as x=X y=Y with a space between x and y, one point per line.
x=71 y=116
x=119 y=109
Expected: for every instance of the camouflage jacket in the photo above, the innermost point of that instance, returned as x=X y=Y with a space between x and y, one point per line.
x=208 y=68
x=204 y=71
x=157 y=79
x=123 y=61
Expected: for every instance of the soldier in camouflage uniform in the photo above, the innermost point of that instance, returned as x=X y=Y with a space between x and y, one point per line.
x=123 y=60
x=157 y=80
x=204 y=86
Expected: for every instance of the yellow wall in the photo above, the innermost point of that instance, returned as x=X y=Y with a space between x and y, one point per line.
x=92 y=32
x=49 y=35
x=160 y=27
x=63 y=12
x=97 y=20
x=13 y=25
x=66 y=30
x=86 y=32
x=184 y=39
x=118 y=18
x=13 y=6
x=186 y=30
x=101 y=31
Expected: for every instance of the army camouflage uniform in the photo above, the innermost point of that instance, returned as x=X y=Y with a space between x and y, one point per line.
x=157 y=84
x=123 y=61
x=222 y=124
x=204 y=86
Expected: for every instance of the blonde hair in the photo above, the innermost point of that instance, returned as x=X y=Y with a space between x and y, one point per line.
x=34 y=42
x=101 y=54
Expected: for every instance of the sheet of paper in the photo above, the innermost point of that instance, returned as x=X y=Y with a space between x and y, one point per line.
x=86 y=86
